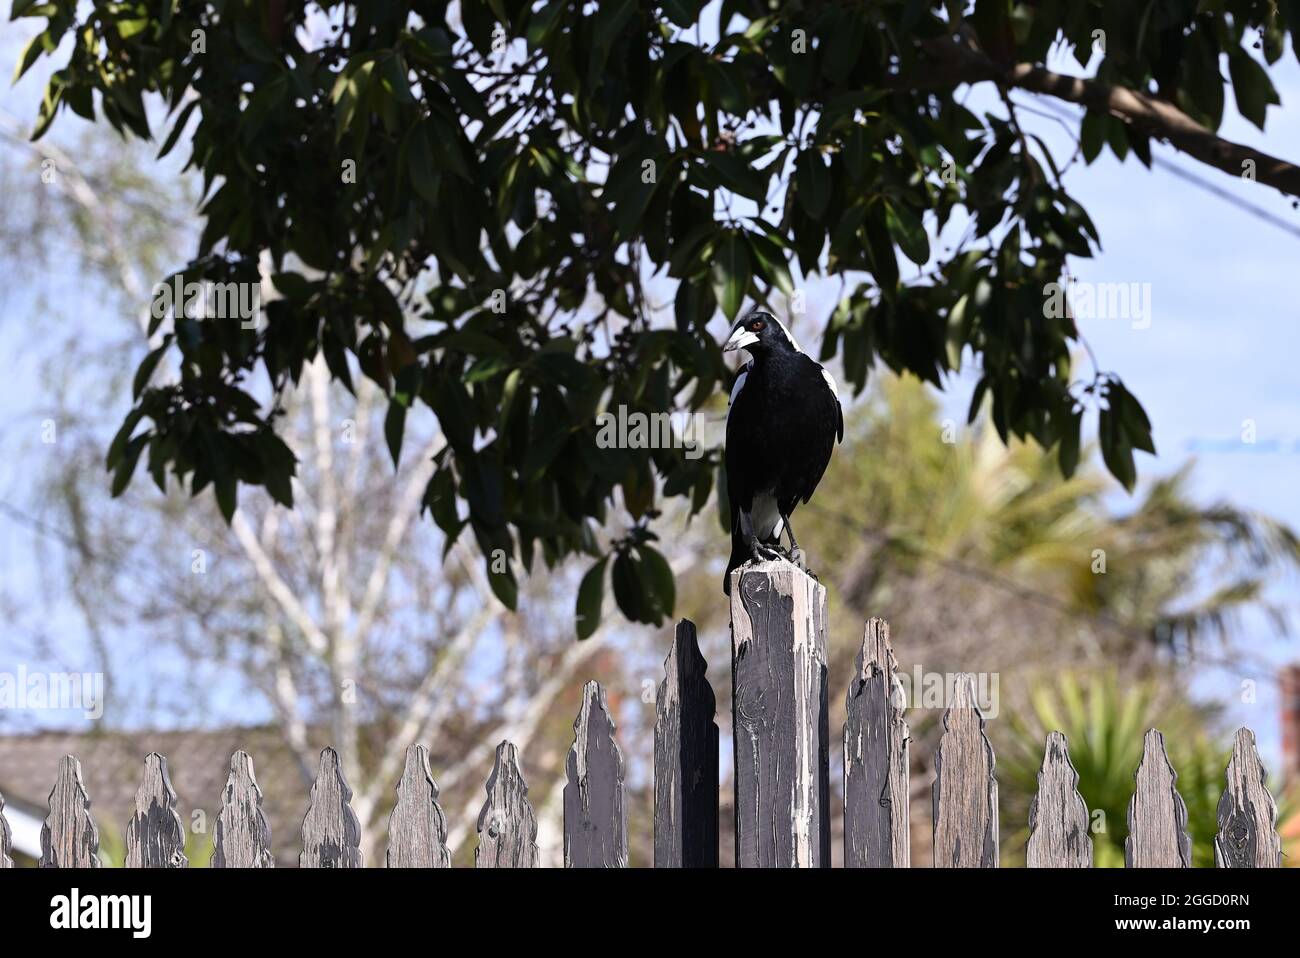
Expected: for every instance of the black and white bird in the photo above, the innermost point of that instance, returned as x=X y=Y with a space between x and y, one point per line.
x=782 y=423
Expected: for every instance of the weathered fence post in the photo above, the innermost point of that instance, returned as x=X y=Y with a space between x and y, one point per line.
x=686 y=759
x=595 y=818
x=1157 y=816
x=1247 y=835
x=155 y=835
x=5 y=860
x=965 y=797
x=779 y=717
x=69 y=838
x=417 y=827
x=876 y=795
x=1058 y=817
x=331 y=834
x=507 y=827
x=242 y=835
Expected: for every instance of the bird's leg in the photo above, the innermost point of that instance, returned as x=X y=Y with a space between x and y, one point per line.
x=796 y=554
x=759 y=551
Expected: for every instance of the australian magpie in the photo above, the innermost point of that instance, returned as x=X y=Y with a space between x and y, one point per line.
x=782 y=423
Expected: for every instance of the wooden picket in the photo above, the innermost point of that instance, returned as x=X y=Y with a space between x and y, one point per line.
x=1247 y=814
x=5 y=860
x=1058 y=817
x=965 y=796
x=155 y=835
x=686 y=759
x=876 y=758
x=779 y=717
x=417 y=828
x=507 y=825
x=69 y=837
x=331 y=834
x=242 y=836
x=1157 y=815
x=595 y=815
x=781 y=778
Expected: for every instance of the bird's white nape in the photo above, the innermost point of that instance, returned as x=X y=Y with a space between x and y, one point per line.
x=788 y=335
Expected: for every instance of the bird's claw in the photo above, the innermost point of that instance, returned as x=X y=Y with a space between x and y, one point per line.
x=762 y=553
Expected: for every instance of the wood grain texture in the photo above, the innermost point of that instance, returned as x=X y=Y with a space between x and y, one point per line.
x=686 y=759
x=69 y=838
x=417 y=828
x=6 y=844
x=876 y=740
x=965 y=798
x=595 y=816
x=779 y=717
x=1157 y=816
x=331 y=834
x=507 y=825
x=1247 y=836
x=242 y=837
x=1059 y=836
x=155 y=835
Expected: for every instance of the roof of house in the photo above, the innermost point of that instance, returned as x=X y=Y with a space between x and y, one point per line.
x=198 y=764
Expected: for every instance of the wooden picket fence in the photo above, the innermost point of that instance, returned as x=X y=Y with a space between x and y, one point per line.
x=782 y=785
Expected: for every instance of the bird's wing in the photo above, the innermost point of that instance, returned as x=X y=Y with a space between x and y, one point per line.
x=839 y=410
x=737 y=386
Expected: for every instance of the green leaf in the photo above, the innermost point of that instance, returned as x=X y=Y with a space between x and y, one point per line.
x=147 y=366
x=772 y=262
x=658 y=578
x=1068 y=452
x=732 y=272
x=627 y=588
x=1092 y=134
x=906 y=229
x=503 y=584
x=1115 y=449
x=812 y=182
x=1252 y=87
x=394 y=428
x=591 y=596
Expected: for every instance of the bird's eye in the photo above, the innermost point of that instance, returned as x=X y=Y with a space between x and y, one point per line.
x=756 y=325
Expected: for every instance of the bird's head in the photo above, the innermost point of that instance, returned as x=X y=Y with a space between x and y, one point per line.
x=760 y=333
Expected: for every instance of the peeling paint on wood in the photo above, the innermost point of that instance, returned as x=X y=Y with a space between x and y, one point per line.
x=331 y=835
x=595 y=816
x=507 y=826
x=155 y=835
x=965 y=798
x=417 y=828
x=69 y=838
x=686 y=759
x=876 y=790
x=779 y=717
x=1157 y=816
x=5 y=840
x=1247 y=835
x=242 y=837
x=1059 y=836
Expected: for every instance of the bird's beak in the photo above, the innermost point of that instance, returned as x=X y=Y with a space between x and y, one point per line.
x=741 y=338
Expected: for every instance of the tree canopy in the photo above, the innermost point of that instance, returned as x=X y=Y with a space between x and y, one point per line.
x=468 y=203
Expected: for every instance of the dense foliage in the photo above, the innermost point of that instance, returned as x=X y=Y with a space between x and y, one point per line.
x=465 y=203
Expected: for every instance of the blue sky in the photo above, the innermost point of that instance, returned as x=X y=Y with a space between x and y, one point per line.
x=1220 y=348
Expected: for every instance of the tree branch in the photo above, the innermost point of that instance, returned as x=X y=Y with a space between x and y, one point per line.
x=1158 y=118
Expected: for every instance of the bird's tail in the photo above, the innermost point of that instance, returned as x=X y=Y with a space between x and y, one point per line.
x=739 y=556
